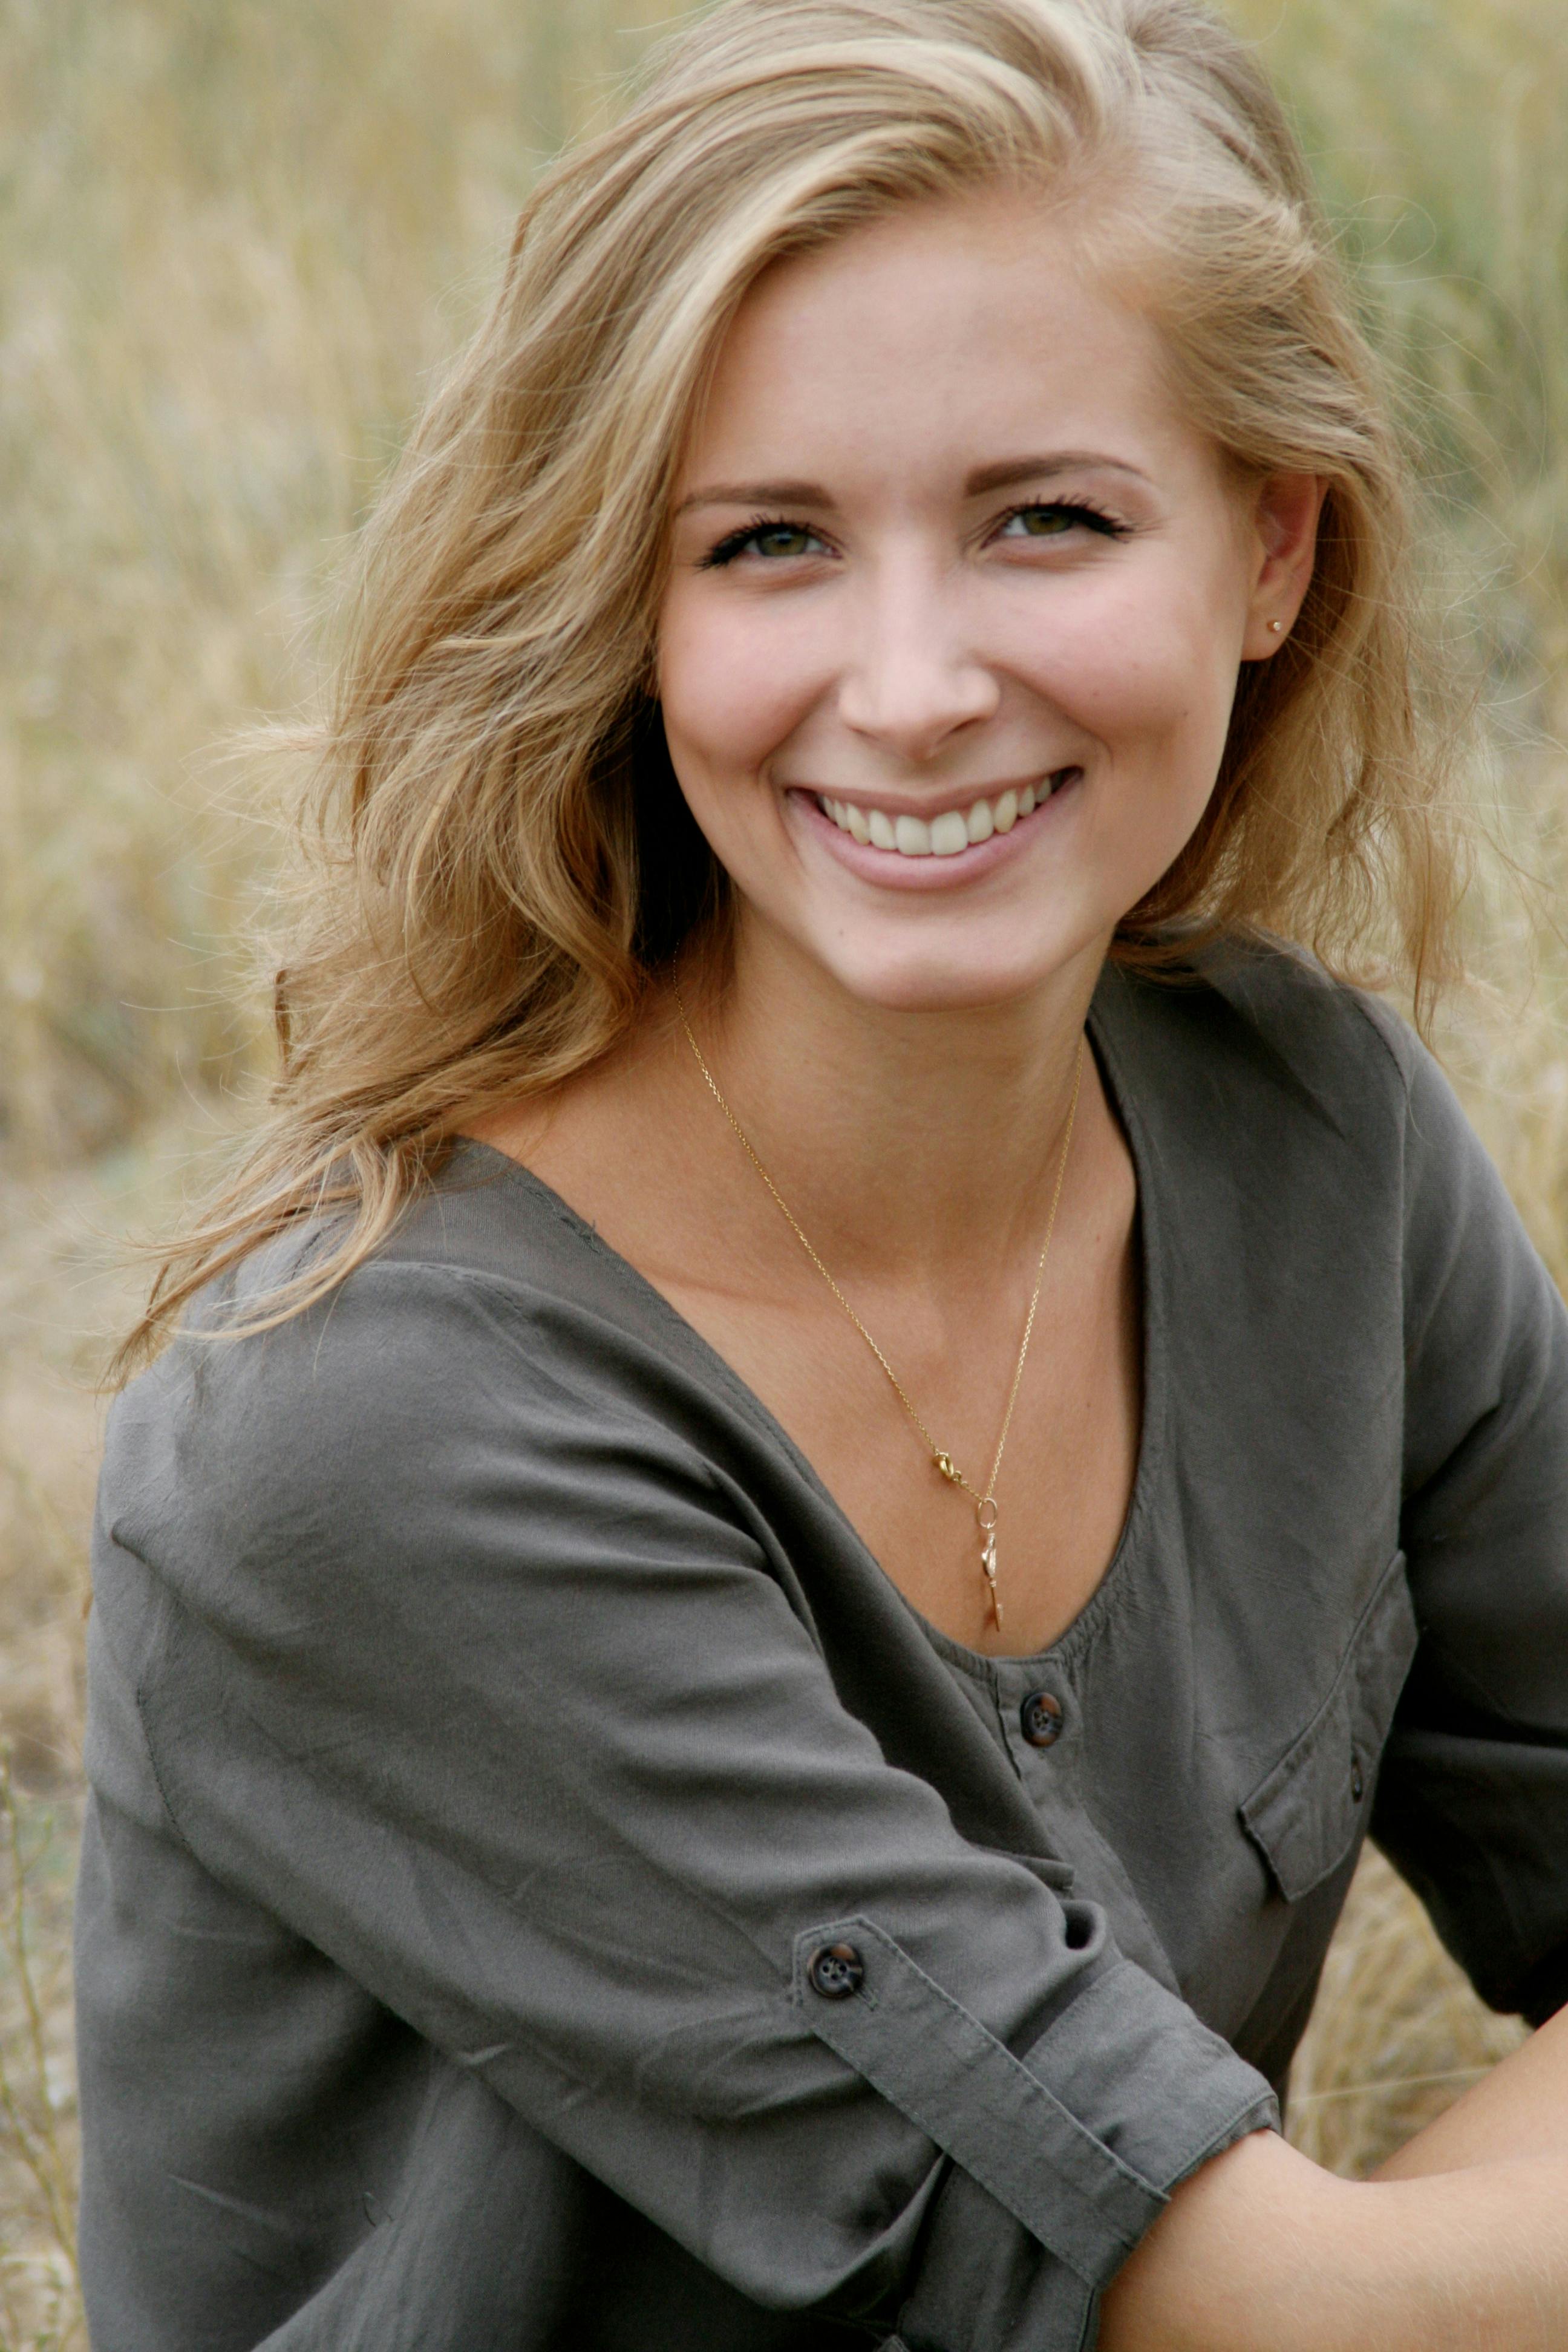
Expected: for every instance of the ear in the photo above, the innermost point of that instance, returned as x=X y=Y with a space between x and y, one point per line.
x=1283 y=536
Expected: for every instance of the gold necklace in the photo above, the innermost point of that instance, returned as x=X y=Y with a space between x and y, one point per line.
x=985 y=1509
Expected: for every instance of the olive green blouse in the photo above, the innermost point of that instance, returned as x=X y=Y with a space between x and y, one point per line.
x=545 y=1890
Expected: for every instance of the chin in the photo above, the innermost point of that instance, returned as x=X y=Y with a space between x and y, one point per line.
x=919 y=976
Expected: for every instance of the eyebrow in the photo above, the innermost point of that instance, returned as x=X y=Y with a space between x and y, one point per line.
x=1014 y=470
x=757 y=494
x=1005 y=475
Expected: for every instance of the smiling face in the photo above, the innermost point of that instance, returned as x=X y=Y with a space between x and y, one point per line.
x=956 y=606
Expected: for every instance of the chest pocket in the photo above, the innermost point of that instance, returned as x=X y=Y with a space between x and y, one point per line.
x=1304 y=1814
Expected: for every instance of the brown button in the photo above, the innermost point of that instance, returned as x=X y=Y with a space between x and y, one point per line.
x=1041 y=1718
x=835 y=1971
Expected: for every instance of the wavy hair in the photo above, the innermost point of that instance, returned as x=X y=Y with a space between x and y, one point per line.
x=499 y=857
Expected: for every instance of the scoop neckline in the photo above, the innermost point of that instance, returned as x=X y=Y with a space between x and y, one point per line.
x=1081 y=1630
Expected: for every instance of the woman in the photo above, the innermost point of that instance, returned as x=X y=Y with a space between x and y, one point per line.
x=846 y=1429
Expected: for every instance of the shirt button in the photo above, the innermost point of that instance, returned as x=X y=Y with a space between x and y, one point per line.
x=1041 y=1718
x=835 y=1971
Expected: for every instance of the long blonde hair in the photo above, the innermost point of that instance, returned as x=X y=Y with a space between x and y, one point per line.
x=500 y=858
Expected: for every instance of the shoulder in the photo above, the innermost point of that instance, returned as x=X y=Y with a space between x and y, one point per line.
x=1277 y=1101
x=487 y=1361
x=1255 y=1038
x=1295 y=1114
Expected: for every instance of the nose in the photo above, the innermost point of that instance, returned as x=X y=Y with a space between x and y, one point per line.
x=911 y=680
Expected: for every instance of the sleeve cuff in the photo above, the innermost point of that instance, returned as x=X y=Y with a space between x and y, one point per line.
x=1081 y=2139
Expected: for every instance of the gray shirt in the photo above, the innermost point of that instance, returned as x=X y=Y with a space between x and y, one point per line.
x=545 y=1890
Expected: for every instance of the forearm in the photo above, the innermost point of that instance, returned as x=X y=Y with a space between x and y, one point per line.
x=1262 y=2252
x=1518 y=2112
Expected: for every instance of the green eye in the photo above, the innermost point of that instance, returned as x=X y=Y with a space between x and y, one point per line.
x=772 y=541
x=1042 y=523
x=783 y=539
x=1058 y=521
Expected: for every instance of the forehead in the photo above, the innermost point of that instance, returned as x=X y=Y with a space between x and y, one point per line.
x=937 y=331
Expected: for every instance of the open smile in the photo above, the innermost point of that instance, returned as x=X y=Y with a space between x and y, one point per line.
x=953 y=830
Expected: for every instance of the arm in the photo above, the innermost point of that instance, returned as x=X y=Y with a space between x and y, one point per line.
x=1472 y=1803
x=1262 y=2252
x=465 y=1667
x=1461 y=2237
x=1518 y=2113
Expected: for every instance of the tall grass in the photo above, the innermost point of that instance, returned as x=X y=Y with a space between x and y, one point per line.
x=1436 y=128
x=236 y=235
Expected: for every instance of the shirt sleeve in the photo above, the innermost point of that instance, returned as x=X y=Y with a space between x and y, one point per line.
x=1472 y=1801
x=483 y=1682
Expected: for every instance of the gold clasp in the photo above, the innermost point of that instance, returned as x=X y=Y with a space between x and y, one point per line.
x=949 y=1469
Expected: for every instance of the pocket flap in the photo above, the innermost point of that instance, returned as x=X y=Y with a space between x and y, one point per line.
x=1057 y=1875
x=1304 y=1814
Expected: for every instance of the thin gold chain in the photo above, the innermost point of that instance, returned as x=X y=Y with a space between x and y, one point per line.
x=984 y=1500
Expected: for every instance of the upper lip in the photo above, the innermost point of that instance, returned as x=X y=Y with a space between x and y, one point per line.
x=957 y=796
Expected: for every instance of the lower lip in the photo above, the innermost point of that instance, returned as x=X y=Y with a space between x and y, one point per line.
x=893 y=871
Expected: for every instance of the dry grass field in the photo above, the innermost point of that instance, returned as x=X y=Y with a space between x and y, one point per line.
x=234 y=236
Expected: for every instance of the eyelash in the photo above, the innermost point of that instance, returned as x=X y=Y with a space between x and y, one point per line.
x=735 y=542
x=1099 y=519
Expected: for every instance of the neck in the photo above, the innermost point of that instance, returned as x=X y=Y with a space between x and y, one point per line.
x=925 y=1142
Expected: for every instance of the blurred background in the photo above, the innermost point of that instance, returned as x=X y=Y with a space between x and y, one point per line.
x=236 y=238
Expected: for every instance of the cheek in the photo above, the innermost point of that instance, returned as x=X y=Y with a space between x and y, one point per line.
x=731 y=690
x=1148 y=666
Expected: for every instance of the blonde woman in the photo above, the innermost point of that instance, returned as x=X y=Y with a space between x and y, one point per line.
x=852 y=1421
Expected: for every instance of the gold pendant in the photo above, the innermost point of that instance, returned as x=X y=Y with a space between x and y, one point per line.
x=988 y=1570
x=985 y=1516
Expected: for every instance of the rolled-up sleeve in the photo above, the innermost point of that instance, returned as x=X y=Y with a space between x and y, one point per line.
x=1472 y=1800
x=478 y=1680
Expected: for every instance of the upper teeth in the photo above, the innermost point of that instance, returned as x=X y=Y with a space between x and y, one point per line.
x=938 y=837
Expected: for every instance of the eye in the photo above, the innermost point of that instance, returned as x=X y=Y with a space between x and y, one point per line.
x=773 y=538
x=1058 y=521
